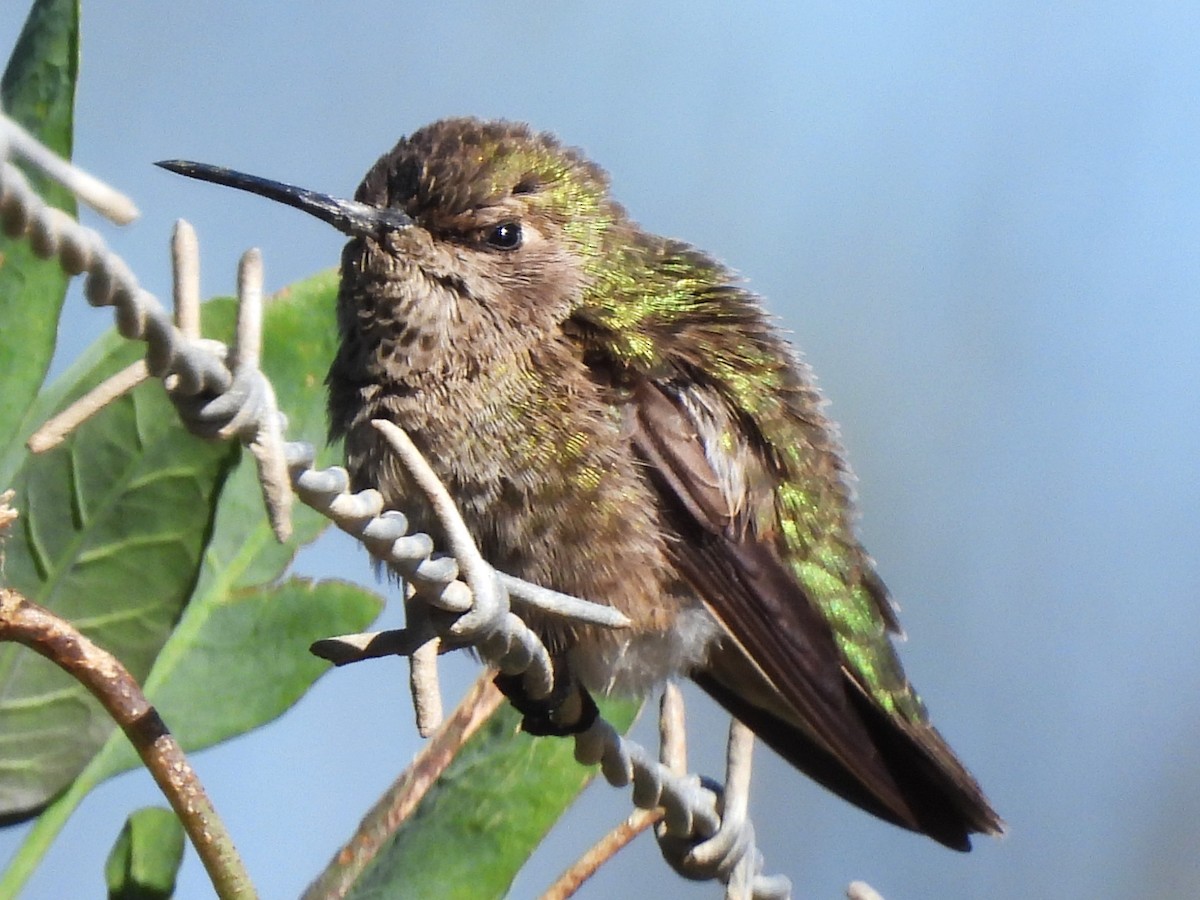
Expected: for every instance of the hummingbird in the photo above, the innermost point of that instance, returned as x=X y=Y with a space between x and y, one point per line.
x=618 y=418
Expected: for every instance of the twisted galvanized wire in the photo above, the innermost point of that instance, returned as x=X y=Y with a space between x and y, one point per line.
x=221 y=393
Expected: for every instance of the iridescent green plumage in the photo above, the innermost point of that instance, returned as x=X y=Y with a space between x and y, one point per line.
x=664 y=310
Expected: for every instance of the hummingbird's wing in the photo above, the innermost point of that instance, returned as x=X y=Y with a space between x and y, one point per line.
x=843 y=714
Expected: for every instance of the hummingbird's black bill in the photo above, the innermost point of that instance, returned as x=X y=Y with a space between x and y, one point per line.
x=347 y=216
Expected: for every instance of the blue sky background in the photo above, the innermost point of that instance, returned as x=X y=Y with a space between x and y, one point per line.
x=982 y=224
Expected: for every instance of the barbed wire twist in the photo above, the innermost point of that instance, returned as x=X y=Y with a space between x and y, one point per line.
x=221 y=393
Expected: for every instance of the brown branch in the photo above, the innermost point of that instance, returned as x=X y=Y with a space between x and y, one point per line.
x=119 y=693
x=399 y=801
x=601 y=852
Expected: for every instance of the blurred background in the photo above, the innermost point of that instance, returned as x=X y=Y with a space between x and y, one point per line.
x=982 y=224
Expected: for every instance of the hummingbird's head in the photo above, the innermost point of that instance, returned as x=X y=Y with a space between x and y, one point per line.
x=466 y=232
x=507 y=224
x=493 y=186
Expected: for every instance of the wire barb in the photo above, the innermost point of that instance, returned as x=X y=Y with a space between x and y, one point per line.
x=110 y=203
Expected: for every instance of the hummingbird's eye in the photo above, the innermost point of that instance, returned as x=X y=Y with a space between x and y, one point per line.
x=505 y=236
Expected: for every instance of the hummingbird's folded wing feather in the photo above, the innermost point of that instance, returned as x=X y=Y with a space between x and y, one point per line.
x=779 y=668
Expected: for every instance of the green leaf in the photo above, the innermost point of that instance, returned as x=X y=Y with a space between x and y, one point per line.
x=486 y=815
x=298 y=344
x=38 y=91
x=145 y=860
x=239 y=656
x=240 y=661
x=105 y=543
x=230 y=665
x=113 y=525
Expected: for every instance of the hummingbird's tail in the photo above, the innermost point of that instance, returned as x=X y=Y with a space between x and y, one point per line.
x=906 y=774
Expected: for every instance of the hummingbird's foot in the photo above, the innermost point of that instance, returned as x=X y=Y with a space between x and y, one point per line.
x=568 y=709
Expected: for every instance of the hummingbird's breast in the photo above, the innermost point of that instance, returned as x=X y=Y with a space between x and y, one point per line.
x=538 y=459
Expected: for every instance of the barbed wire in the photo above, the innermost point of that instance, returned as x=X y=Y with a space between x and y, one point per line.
x=221 y=393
